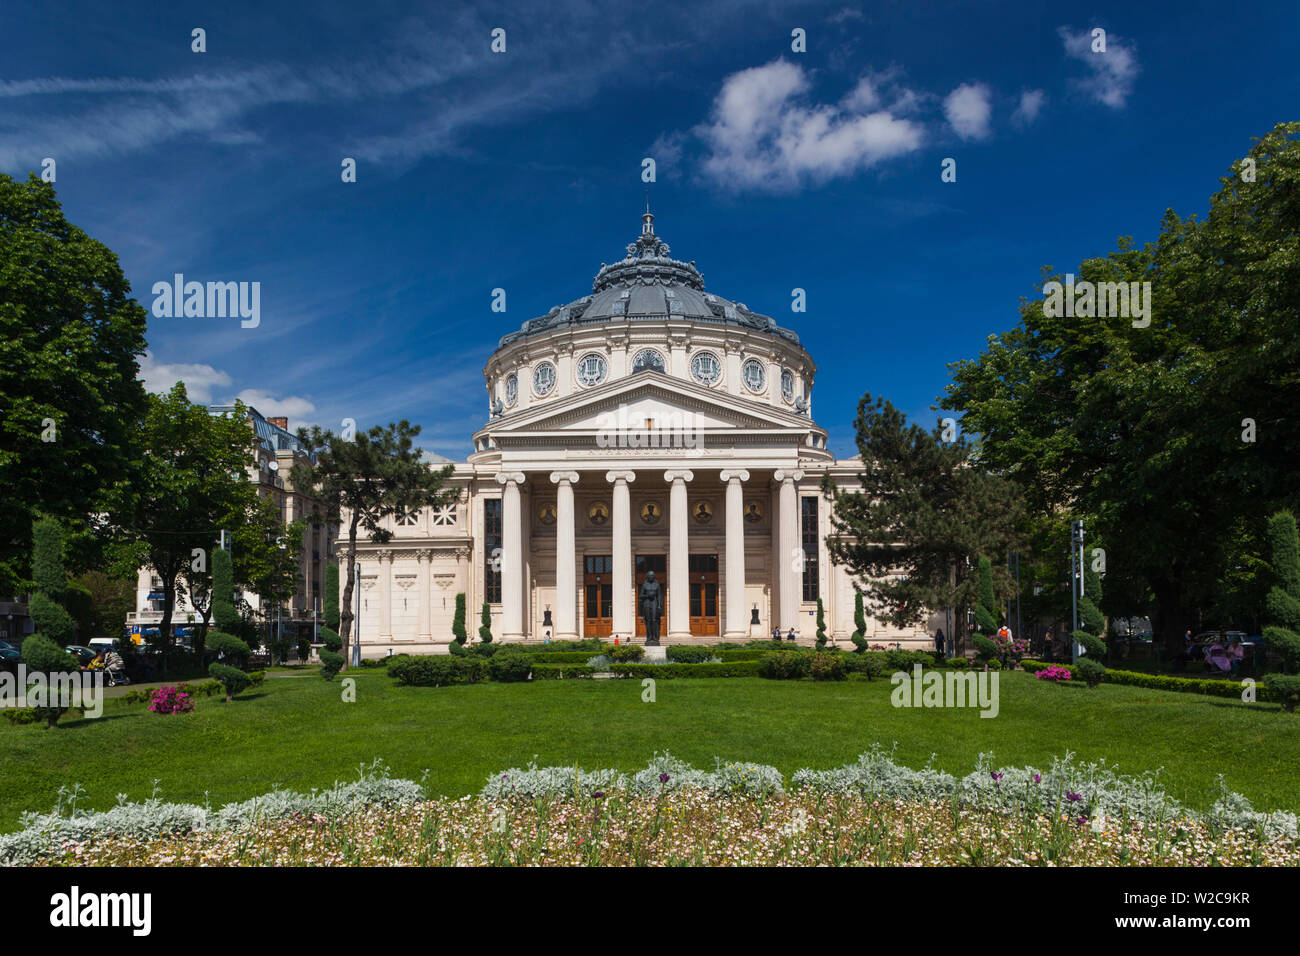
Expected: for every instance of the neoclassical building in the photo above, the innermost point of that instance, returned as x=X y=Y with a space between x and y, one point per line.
x=648 y=426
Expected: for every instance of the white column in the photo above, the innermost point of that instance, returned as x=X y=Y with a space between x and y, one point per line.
x=423 y=556
x=624 y=623
x=385 y=595
x=790 y=567
x=512 y=558
x=679 y=587
x=737 y=625
x=566 y=558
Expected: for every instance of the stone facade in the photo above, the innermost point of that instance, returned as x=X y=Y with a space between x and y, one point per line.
x=648 y=426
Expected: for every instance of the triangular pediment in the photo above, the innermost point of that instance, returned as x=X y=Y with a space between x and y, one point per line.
x=649 y=398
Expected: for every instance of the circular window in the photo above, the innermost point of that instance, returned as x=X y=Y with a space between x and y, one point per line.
x=787 y=384
x=512 y=389
x=591 y=370
x=705 y=368
x=647 y=359
x=544 y=378
x=754 y=374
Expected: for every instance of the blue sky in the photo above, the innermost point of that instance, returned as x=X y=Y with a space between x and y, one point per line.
x=522 y=170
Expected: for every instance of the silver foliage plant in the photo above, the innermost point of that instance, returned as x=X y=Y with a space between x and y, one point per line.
x=1082 y=789
x=47 y=835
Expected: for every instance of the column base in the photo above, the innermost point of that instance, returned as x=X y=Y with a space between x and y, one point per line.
x=565 y=636
x=736 y=635
x=676 y=636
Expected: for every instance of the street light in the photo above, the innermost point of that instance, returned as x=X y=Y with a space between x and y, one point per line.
x=1076 y=580
x=356 y=614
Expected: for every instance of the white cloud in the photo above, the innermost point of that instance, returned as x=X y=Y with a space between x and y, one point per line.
x=1113 y=72
x=1031 y=104
x=199 y=379
x=968 y=110
x=763 y=135
x=293 y=407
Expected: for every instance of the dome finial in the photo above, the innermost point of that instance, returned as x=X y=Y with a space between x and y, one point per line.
x=648 y=220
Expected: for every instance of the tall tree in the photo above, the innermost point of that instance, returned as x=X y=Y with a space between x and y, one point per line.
x=69 y=396
x=365 y=481
x=330 y=614
x=1168 y=435
x=922 y=516
x=192 y=482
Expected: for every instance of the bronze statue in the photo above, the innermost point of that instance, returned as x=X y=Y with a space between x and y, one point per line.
x=650 y=601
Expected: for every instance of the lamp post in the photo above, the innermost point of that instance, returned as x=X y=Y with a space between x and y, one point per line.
x=1076 y=580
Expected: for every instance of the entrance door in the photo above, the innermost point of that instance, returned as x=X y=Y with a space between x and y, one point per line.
x=657 y=563
x=704 y=594
x=598 y=609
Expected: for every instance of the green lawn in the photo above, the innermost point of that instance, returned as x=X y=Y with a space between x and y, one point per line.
x=295 y=731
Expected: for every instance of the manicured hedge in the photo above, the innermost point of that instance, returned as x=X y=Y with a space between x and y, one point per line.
x=690 y=654
x=561 y=671
x=437 y=670
x=725 y=669
x=562 y=657
x=1181 y=685
x=737 y=654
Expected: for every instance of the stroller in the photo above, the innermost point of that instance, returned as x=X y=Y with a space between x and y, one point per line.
x=1216 y=659
x=115 y=670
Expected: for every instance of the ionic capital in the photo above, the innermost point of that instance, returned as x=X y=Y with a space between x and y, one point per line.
x=570 y=476
x=679 y=475
x=788 y=474
x=613 y=477
x=734 y=474
x=507 y=477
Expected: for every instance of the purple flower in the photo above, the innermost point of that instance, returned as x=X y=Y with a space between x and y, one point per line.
x=1082 y=820
x=599 y=794
x=1038 y=778
x=1073 y=797
x=995 y=776
x=663 y=778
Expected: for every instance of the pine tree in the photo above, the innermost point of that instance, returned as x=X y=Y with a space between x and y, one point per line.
x=45 y=608
x=1090 y=616
x=224 y=616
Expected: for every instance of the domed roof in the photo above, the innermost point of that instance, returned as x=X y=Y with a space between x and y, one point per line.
x=648 y=286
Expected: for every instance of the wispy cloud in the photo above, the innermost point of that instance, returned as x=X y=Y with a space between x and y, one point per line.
x=1113 y=72
x=200 y=380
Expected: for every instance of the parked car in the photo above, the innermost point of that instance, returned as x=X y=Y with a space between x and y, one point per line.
x=9 y=659
x=83 y=654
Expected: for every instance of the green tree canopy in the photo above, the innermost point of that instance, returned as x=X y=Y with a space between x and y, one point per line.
x=1166 y=436
x=69 y=396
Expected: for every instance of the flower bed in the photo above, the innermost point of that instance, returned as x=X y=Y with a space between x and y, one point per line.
x=1182 y=685
x=872 y=812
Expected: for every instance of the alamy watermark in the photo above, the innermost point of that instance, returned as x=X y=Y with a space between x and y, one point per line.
x=81 y=689
x=212 y=300
x=675 y=429
x=952 y=688
x=1098 y=299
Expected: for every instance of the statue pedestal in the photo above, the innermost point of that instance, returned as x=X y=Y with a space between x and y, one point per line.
x=659 y=653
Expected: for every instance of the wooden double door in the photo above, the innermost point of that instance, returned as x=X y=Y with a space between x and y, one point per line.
x=598 y=591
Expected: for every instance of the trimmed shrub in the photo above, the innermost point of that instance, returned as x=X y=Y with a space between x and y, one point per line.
x=826 y=666
x=331 y=663
x=1286 y=688
x=43 y=656
x=1093 y=672
x=957 y=662
x=331 y=607
x=437 y=670
x=869 y=663
x=901 y=660
x=784 y=665
x=732 y=669
x=485 y=624
x=685 y=654
x=1094 y=646
x=510 y=667
x=626 y=653
x=331 y=640
x=229 y=649
x=51 y=620
x=821 y=624
x=859 y=635
x=233 y=680
x=986 y=608
x=458 y=621
x=985 y=649
x=563 y=671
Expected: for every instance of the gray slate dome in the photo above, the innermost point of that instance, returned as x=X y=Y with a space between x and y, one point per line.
x=648 y=286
